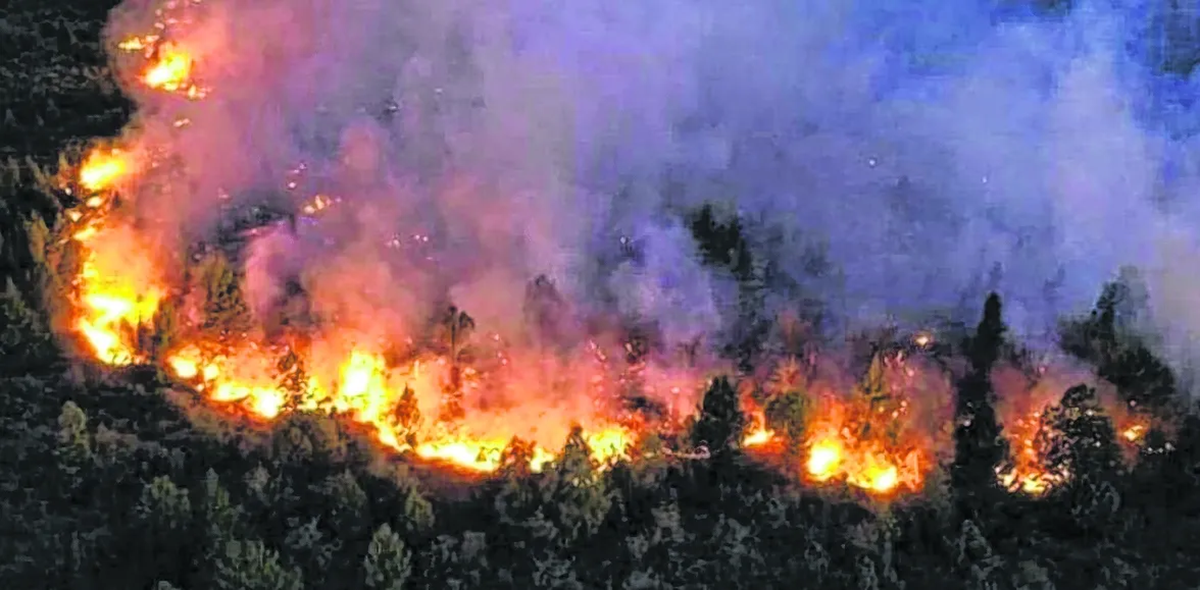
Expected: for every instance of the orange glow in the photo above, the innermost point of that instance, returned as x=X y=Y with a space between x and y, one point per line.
x=1022 y=402
x=100 y=170
x=824 y=459
x=366 y=389
x=171 y=71
x=757 y=434
x=115 y=294
x=878 y=446
x=169 y=66
x=460 y=399
x=1134 y=432
x=1026 y=471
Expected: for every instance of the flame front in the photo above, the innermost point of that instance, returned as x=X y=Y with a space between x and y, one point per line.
x=368 y=392
x=883 y=436
x=115 y=294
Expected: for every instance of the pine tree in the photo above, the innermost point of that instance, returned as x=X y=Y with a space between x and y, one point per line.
x=224 y=307
x=407 y=414
x=1109 y=339
x=249 y=565
x=456 y=328
x=74 y=450
x=721 y=422
x=576 y=491
x=388 y=563
x=979 y=448
x=1078 y=437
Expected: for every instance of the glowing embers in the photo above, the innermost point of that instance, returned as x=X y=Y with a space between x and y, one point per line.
x=1026 y=470
x=876 y=435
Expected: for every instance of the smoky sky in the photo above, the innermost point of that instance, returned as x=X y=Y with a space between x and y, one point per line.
x=932 y=150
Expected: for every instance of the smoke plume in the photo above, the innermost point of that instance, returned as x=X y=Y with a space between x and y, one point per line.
x=931 y=152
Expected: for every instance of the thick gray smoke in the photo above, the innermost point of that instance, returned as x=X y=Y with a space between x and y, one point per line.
x=932 y=152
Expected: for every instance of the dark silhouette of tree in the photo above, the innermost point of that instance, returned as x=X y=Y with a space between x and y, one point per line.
x=74 y=450
x=456 y=328
x=1078 y=436
x=225 y=310
x=293 y=380
x=575 y=490
x=545 y=310
x=24 y=341
x=722 y=243
x=979 y=448
x=1109 y=339
x=158 y=338
x=788 y=413
x=348 y=506
x=407 y=415
x=720 y=423
x=1078 y=439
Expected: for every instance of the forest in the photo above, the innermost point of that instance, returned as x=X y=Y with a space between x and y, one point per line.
x=127 y=465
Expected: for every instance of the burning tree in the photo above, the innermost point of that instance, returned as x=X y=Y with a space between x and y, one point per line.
x=456 y=330
x=1078 y=438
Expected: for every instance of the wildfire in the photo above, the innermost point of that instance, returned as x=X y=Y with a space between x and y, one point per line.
x=1021 y=409
x=319 y=203
x=171 y=71
x=1133 y=433
x=757 y=434
x=115 y=295
x=101 y=169
x=1026 y=471
x=368 y=392
x=169 y=66
x=824 y=459
x=837 y=454
x=874 y=436
x=869 y=444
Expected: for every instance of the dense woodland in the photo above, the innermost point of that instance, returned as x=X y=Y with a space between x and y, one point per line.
x=112 y=479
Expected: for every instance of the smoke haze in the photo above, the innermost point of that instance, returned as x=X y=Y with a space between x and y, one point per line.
x=933 y=152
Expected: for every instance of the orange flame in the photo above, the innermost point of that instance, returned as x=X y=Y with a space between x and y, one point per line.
x=1022 y=402
x=1026 y=470
x=848 y=439
x=171 y=71
x=101 y=169
x=757 y=433
x=169 y=68
x=873 y=446
x=115 y=294
x=367 y=391
x=837 y=454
